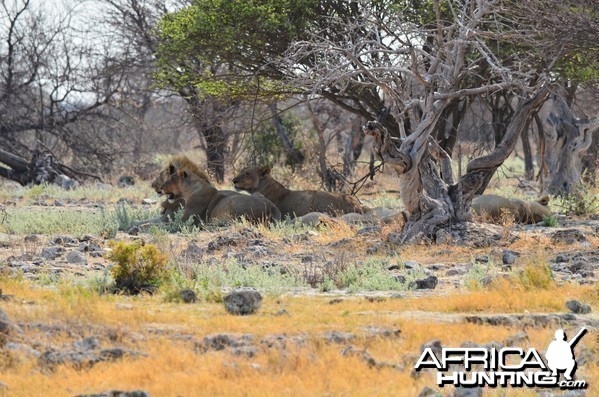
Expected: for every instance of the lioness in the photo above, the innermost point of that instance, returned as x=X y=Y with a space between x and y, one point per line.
x=206 y=204
x=294 y=203
x=523 y=211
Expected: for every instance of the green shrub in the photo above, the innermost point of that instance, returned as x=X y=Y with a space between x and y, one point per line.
x=138 y=267
x=580 y=201
x=550 y=221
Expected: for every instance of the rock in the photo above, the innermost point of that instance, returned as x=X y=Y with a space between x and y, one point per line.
x=562 y=258
x=400 y=278
x=8 y=328
x=313 y=219
x=218 y=342
x=282 y=312
x=468 y=392
x=354 y=218
x=51 y=253
x=84 y=353
x=568 y=237
x=76 y=257
x=126 y=180
x=338 y=337
x=31 y=238
x=429 y=392
x=188 y=296
x=65 y=182
x=368 y=230
x=426 y=283
x=118 y=393
x=411 y=264
x=482 y=259
x=243 y=301
x=434 y=345
x=580 y=266
x=148 y=201
x=394 y=238
x=508 y=258
x=578 y=307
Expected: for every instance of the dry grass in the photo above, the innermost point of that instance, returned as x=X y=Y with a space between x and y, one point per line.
x=172 y=368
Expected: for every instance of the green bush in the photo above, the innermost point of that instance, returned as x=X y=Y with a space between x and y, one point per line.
x=138 y=267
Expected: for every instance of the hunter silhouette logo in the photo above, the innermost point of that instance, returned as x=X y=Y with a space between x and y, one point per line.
x=560 y=354
x=508 y=366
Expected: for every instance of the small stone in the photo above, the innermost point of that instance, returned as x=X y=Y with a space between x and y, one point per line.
x=426 y=283
x=188 y=296
x=243 y=301
x=76 y=257
x=411 y=264
x=562 y=258
x=482 y=259
x=31 y=238
x=50 y=253
x=400 y=278
x=508 y=258
x=148 y=201
x=282 y=312
x=429 y=392
x=578 y=307
x=8 y=328
x=338 y=337
x=126 y=180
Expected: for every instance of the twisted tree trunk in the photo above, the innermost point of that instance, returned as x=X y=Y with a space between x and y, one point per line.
x=566 y=145
x=430 y=196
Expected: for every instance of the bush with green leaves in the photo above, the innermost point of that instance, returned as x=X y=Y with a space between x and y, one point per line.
x=138 y=267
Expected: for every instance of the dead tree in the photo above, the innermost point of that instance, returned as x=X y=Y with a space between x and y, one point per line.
x=42 y=168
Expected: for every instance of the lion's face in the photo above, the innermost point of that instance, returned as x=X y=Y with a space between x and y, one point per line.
x=161 y=179
x=171 y=185
x=249 y=178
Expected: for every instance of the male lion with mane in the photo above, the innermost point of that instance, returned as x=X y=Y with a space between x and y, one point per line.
x=294 y=203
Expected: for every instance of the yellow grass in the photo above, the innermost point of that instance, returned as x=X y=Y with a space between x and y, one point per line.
x=174 y=369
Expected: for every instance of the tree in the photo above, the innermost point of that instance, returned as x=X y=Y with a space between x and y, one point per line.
x=565 y=37
x=422 y=61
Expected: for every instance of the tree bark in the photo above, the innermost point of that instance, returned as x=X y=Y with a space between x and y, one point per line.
x=352 y=148
x=294 y=156
x=589 y=161
x=566 y=145
x=529 y=171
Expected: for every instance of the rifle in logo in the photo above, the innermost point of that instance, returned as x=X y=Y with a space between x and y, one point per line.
x=560 y=353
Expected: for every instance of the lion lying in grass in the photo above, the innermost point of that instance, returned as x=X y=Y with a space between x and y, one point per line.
x=204 y=203
x=523 y=211
x=294 y=203
x=170 y=207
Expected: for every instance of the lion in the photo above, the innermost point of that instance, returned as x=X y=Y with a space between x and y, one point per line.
x=170 y=207
x=522 y=211
x=294 y=203
x=206 y=204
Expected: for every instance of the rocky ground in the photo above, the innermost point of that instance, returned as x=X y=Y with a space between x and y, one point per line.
x=435 y=287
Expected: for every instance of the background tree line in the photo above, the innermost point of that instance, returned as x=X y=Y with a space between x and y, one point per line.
x=92 y=82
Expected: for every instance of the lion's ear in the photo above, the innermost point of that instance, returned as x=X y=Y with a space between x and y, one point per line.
x=171 y=168
x=264 y=170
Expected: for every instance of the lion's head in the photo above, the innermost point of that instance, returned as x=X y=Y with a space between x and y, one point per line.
x=177 y=163
x=249 y=178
